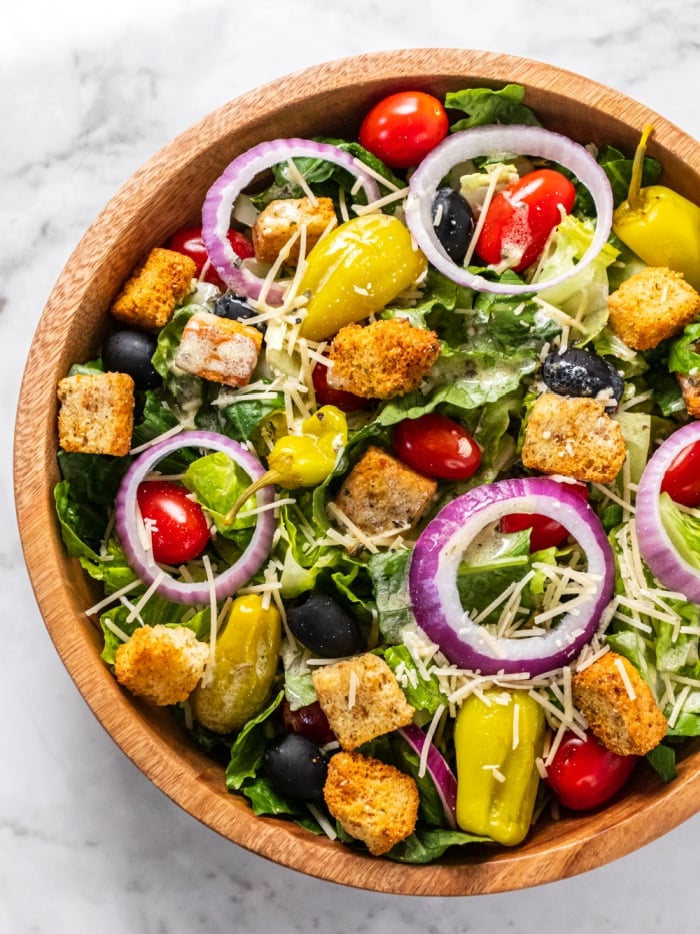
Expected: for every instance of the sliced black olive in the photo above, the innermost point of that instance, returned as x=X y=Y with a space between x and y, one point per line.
x=296 y=767
x=453 y=222
x=230 y=305
x=578 y=372
x=324 y=627
x=130 y=352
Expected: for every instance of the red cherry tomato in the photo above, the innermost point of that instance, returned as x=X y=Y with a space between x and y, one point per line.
x=189 y=241
x=437 y=446
x=402 y=128
x=584 y=774
x=682 y=479
x=521 y=217
x=340 y=398
x=546 y=532
x=179 y=530
x=309 y=721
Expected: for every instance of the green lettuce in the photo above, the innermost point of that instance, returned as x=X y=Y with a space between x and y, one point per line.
x=587 y=288
x=484 y=106
x=422 y=693
x=217 y=481
x=683 y=356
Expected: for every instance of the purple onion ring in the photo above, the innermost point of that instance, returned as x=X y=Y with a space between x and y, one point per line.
x=219 y=201
x=233 y=577
x=655 y=545
x=492 y=140
x=438 y=553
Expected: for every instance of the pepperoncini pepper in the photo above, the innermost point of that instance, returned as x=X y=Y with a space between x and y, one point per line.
x=305 y=459
x=356 y=270
x=237 y=685
x=659 y=225
x=497 y=740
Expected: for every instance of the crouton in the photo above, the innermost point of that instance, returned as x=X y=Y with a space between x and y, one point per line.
x=619 y=706
x=690 y=388
x=381 y=360
x=361 y=698
x=155 y=289
x=280 y=220
x=222 y=350
x=163 y=664
x=96 y=414
x=651 y=306
x=374 y=802
x=380 y=494
x=574 y=437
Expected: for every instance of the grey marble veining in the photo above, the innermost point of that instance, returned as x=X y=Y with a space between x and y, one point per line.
x=88 y=93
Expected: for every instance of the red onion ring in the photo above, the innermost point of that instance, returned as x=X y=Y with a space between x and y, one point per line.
x=488 y=140
x=438 y=552
x=437 y=768
x=219 y=201
x=655 y=545
x=142 y=563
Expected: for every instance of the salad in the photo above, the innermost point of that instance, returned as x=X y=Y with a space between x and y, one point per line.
x=388 y=472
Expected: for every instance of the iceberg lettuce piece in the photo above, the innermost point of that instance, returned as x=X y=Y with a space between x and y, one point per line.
x=583 y=296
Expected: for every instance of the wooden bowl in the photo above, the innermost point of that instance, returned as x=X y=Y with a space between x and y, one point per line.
x=166 y=194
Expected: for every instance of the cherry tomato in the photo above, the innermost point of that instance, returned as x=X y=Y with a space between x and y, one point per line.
x=584 y=774
x=521 y=217
x=546 y=532
x=189 y=241
x=340 y=398
x=682 y=479
x=309 y=721
x=402 y=128
x=437 y=446
x=179 y=530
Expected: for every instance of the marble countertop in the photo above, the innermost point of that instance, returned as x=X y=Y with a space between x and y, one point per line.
x=90 y=91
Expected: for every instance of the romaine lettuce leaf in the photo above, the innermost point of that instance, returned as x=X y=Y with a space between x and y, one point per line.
x=683 y=354
x=425 y=695
x=585 y=290
x=217 y=481
x=389 y=573
x=484 y=106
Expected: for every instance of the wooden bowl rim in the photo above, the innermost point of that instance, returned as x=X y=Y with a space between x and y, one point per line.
x=187 y=778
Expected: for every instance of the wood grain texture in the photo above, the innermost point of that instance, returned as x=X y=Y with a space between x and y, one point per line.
x=166 y=193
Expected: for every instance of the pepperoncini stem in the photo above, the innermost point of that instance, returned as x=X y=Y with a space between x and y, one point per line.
x=300 y=460
x=268 y=478
x=633 y=194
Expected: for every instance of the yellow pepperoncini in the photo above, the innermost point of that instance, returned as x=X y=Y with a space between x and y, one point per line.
x=355 y=271
x=239 y=682
x=305 y=459
x=497 y=741
x=659 y=225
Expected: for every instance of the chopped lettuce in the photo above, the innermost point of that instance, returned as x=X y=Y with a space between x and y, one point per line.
x=683 y=354
x=583 y=296
x=484 y=106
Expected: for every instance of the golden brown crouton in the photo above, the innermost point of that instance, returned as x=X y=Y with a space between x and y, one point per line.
x=155 y=289
x=380 y=494
x=96 y=415
x=652 y=305
x=574 y=437
x=690 y=387
x=374 y=802
x=381 y=360
x=218 y=349
x=619 y=706
x=161 y=663
x=280 y=220
x=361 y=698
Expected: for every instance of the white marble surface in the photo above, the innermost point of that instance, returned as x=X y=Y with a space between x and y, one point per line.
x=88 y=92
